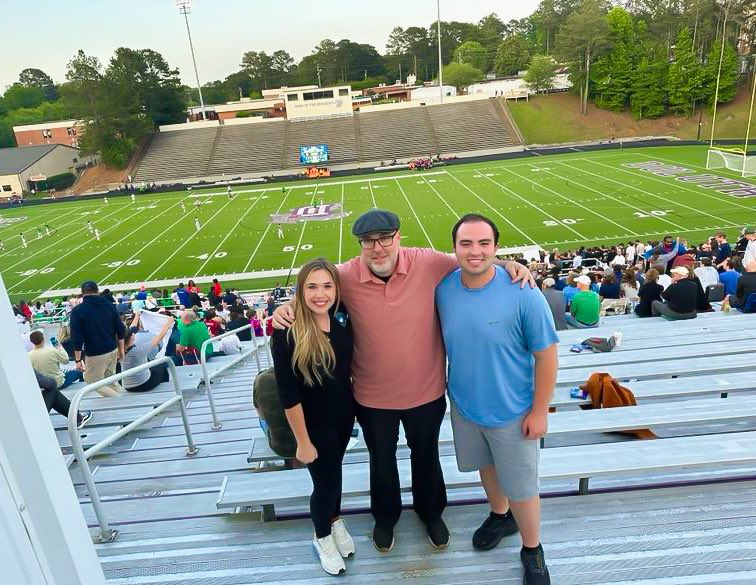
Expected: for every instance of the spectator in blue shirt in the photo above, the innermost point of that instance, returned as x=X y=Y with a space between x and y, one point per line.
x=610 y=288
x=183 y=296
x=502 y=357
x=724 y=250
x=729 y=278
x=570 y=290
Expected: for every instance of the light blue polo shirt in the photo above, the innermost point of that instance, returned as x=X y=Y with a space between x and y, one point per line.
x=490 y=335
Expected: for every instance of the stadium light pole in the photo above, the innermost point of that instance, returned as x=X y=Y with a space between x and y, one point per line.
x=185 y=8
x=440 y=60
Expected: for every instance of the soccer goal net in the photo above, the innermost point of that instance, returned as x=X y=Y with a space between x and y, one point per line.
x=734 y=159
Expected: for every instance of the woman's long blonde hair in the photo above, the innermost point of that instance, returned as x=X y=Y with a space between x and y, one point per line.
x=313 y=354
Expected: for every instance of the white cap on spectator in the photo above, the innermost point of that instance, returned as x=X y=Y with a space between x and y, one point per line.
x=583 y=280
x=680 y=270
x=548 y=282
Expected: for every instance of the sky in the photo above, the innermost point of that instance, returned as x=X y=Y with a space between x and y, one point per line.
x=47 y=33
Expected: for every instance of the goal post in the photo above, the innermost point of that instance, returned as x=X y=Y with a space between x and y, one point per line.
x=733 y=159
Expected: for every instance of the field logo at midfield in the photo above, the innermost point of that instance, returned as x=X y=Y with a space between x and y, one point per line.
x=728 y=186
x=310 y=213
x=11 y=220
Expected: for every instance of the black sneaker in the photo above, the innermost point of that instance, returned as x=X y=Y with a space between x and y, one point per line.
x=438 y=533
x=493 y=529
x=83 y=418
x=383 y=538
x=534 y=563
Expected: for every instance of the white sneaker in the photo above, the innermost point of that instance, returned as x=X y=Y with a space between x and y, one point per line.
x=343 y=540
x=330 y=558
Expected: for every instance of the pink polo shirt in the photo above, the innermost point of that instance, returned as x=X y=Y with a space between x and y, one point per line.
x=399 y=360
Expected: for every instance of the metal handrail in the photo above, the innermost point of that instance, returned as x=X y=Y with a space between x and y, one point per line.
x=207 y=376
x=108 y=534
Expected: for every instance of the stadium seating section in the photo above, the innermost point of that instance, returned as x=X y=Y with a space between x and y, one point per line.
x=366 y=138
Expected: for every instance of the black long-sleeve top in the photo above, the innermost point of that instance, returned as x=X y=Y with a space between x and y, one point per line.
x=96 y=326
x=322 y=404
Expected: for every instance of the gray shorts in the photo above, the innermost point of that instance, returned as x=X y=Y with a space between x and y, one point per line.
x=514 y=457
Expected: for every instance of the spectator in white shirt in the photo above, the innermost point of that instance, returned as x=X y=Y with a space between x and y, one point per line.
x=750 y=252
x=630 y=254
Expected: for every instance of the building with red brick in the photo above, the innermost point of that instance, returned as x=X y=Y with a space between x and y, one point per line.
x=65 y=132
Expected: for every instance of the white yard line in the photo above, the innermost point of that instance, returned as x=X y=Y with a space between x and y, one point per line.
x=534 y=206
x=120 y=243
x=496 y=211
x=228 y=235
x=420 y=223
x=372 y=195
x=573 y=202
x=445 y=202
x=304 y=227
x=187 y=240
x=712 y=171
x=668 y=184
x=341 y=224
x=630 y=205
x=68 y=252
x=14 y=227
x=267 y=229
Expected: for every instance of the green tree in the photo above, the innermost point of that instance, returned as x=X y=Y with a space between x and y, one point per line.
x=490 y=32
x=460 y=75
x=472 y=53
x=540 y=74
x=685 y=82
x=582 y=38
x=728 y=79
x=38 y=78
x=613 y=71
x=22 y=96
x=259 y=66
x=648 y=94
x=512 y=56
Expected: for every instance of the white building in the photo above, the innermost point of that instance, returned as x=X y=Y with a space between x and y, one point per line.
x=430 y=94
x=21 y=167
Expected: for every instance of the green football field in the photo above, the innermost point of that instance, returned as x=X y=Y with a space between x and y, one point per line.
x=559 y=201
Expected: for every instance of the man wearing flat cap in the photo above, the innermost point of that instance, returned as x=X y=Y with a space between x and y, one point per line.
x=680 y=297
x=398 y=368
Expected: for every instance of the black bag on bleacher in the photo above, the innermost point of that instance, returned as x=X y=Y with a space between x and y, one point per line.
x=265 y=400
x=715 y=293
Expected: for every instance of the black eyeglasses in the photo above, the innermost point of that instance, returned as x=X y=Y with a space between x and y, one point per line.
x=383 y=241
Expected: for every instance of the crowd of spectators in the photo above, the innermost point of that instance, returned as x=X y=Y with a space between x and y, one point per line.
x=671 y=278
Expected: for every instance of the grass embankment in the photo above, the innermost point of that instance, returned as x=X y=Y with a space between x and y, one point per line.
x=556 y=118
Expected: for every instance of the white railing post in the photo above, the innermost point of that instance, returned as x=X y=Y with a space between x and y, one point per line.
x=108 y=534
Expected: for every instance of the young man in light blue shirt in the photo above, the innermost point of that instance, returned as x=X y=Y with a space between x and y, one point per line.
x=502 y=354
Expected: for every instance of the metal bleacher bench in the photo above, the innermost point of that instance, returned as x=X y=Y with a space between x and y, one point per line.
x=709 y=410
x=581 y=463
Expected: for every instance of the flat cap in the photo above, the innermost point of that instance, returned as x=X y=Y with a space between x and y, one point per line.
x=375 y=220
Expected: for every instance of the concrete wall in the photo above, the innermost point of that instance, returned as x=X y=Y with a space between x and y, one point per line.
x=15 y=184
x=338 y=105
x=189 y=125
x=255 y=120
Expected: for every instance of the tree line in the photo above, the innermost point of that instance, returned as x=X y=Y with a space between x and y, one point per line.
x=646 y=56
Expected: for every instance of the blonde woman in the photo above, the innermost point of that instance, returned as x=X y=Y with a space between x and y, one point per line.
x=312 y=363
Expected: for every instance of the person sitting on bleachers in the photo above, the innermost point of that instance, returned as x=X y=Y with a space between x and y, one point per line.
x=729 y=278
x=679 y=299
x=54 y=399
x=139 y=348
x=649 y=292
x=214 y=323
x=745 y=288
x=610 y=288
x=630 y=285
x=585 y=306
x=182 y=296
x=235 y=321
x=192 y=334
x=706 y=273
x=47 y=360
x=570 y=289
x=557 y=304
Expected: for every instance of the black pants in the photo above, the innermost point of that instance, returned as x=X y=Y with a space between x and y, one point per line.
x=421 y=427
x=330 y=443
x=158 y=374
x=55 y=400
